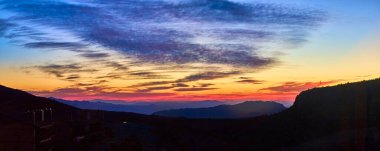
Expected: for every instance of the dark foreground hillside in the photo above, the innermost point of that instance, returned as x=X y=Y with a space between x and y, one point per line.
x=30 y=123
x=343 y=117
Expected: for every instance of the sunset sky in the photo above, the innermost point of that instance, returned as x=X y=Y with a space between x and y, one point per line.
x=159 y=50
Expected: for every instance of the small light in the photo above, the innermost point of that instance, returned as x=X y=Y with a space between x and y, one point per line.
x=125 y=122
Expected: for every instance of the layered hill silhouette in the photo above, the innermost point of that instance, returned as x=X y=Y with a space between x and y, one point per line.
x=241 y=110
x=141 y=108
x=15 y=103
x=342 y=117
x=19 y=129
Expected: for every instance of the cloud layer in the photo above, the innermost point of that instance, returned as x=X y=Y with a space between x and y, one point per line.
x=150 y=46
x=197 y=31
x=297 y=87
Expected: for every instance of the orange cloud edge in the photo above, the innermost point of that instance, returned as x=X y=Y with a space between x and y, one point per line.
x=285 y=92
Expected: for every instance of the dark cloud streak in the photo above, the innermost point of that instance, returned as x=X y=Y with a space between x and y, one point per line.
x=180 y=83
x=60 y=70
x=194 y=89
x=149 y=89
x=54 y=45
x=208 y=76
x=248 y=80
x=95 y=55
x=297 y=86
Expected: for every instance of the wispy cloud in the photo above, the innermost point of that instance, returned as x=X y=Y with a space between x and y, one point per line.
x=61 y=70
x=4 y=26
x=191 y=78
x=99 y=93
x=92 y=55
x=208 y=76
x=149 y=89
x=248 y=80
x=154 y=83
x=54 y=45
x=297 y=86
x=203 y=85
x=147 y=75
x=194 y=89
x=165 y=32
x=72 y=77
x=179 y=85
x=206 y=39
x=116 y=65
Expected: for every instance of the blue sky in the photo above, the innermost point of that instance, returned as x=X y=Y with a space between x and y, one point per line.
x=157 y=47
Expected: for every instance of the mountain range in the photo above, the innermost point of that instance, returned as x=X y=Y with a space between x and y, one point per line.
x=241 y=110
x=138 y=107
x=342 y=117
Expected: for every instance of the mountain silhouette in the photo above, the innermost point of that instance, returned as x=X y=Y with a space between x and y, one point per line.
x=141 y=108
x=19 y=129
x=343 y=117
x=241 y=110
x=15 y=103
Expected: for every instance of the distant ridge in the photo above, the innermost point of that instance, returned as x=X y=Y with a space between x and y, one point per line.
x=138 y=107
x=344 y=117
x=241 y=110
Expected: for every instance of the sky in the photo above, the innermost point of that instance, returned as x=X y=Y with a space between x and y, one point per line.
x=183 y=50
